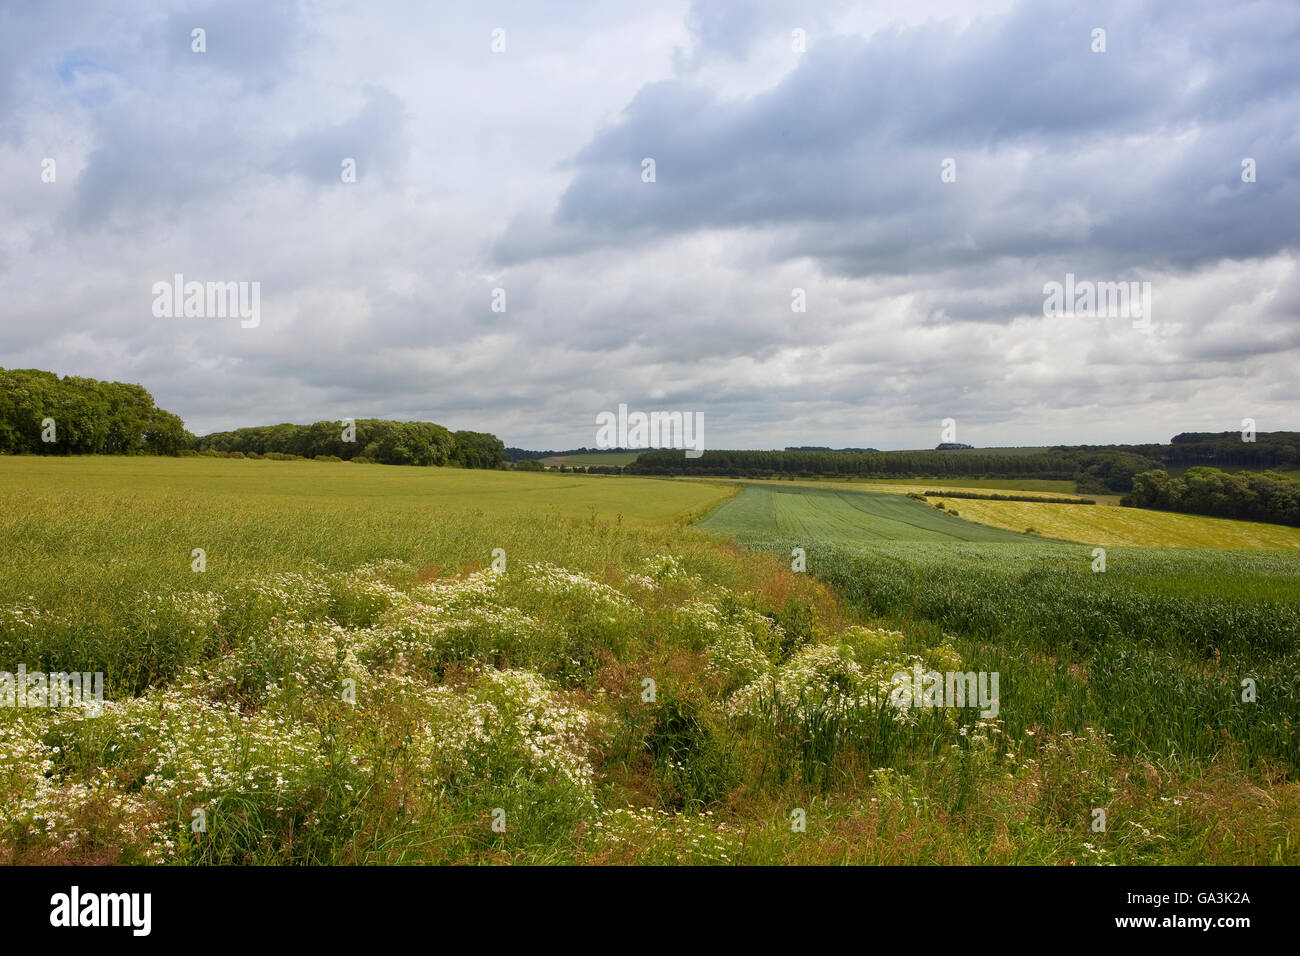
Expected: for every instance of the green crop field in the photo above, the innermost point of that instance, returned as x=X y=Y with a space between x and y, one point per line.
x=342 y=663
x=1152 y=647
x=859 y=512
x=1165 y=637
x=833 y=516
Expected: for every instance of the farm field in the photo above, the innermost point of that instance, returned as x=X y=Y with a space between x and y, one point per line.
x=1164 y=637
x=351 y=679
x=1153 y=648
x=833 y=516
x=1043 y=485
x=86 y=526
x=594 y=458
x=350 y=486
x=1111 y=525
x=828 y=510
x=895 y=485
x=903 y=486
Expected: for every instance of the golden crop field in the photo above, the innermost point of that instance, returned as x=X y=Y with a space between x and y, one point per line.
x=349 y=486
x=1110 y=525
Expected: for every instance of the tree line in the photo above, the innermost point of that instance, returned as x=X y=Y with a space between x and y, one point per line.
x=364 y=440
x=1095 y=469
x=43 y=414
x=1259 y=496
x=1276 y=450
x=1092 y=470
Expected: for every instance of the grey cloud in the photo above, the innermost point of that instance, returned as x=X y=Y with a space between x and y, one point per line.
x=845 y=151
x=731 y=30
x=374 y=139
x=250 y=41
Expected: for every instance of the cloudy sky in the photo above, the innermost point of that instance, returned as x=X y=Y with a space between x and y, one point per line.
x=795 y=146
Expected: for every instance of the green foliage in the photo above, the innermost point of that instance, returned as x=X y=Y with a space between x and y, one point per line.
x=1164 y=637
x=1112 y=468
x=375 y=440
x=1277 y=450
x=478 y=450
x=1209 y=491
x=764 y=464
x=692 y=756
x=90 y=417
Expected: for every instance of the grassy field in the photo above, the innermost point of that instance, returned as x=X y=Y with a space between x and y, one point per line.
x=406 y=665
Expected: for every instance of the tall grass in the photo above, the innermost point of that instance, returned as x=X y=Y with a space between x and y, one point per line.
x=1155 y=649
